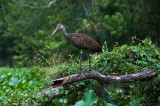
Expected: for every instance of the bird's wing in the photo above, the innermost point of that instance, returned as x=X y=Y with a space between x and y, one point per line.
x=82 y=41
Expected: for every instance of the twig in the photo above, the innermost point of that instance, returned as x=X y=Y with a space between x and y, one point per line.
x=85 y=9
x=37 y=7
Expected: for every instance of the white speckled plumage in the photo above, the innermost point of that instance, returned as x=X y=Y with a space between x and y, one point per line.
x=82 y=41
x=79 y=40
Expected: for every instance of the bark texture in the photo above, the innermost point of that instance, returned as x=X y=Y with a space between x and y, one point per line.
x=103 y=79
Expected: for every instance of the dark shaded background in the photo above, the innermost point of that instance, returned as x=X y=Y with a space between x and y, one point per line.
x=25 y=26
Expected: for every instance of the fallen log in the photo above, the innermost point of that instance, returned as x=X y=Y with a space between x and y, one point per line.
x=103 y=79
x=54 y=91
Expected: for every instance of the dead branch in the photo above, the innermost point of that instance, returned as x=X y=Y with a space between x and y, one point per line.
x=2 y=7
x=85 y=9
x=54 y=91
x=103 y=79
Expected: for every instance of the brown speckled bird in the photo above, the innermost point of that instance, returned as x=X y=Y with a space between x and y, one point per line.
x=80 y=41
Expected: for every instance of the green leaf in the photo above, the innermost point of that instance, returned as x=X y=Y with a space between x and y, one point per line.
x=135 y=103
x=33 y=81
x=66 y=92
x=89 y=98
x=108 y=104
x=110 y=99
x=1 y=93
x=13 y=81
x=158 y=99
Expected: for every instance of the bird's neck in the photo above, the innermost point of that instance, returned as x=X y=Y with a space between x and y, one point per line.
x=66 y=35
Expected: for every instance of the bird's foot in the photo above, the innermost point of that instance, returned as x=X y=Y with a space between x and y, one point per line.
x=89 y=70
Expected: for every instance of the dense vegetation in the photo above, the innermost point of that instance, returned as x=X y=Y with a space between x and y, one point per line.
x=20 y=86
x=25 y=26
x=17 y=84
x=30 y=58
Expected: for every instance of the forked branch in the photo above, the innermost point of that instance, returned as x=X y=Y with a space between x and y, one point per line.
x=103 y=79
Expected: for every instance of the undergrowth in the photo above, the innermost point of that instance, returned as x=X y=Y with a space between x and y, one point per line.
x=122 y=60
x=20 y=86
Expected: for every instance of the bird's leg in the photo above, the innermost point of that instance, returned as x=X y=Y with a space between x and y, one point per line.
x=89 y=62
x=80 y=59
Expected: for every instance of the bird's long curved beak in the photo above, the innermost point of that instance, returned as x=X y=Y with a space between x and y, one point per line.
x=54 y=32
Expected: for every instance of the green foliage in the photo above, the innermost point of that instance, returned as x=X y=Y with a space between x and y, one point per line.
x=121 y=60
x=108 y=104
x=129 y=59
x=25 y=26
x=19 y=84
x=88 y=99
x=135 y=103
x=115 y=24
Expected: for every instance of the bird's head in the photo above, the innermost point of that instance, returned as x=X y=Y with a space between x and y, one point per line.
x=59 y=26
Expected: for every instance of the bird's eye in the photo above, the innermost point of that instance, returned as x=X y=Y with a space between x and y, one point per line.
x=58 y=26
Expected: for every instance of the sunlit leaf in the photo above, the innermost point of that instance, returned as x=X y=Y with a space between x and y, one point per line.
x=88 y=99
x=135 y=103
x=13 y=81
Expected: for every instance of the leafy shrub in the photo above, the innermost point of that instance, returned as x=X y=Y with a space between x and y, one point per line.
x=19 y=84
x=24 y=83
x=121 y=60
x=25 y=26
x=129 y=59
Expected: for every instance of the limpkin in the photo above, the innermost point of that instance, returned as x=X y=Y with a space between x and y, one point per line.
x=80 y=41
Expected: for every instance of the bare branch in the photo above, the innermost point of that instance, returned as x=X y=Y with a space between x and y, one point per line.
x=103 y=79
x=85 y=9
x=54 y=91
x=32 y=19
x=50 y=3
x=37 y=7
x=4 y=12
